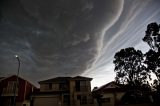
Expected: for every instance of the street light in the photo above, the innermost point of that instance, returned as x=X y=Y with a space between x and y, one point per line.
x=18 y=64
x=16 y=86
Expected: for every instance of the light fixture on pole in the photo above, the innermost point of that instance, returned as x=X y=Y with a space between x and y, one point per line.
x=18 y=64
x=16 y=85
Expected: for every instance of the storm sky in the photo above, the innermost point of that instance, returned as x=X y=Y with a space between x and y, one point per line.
x=71 y=37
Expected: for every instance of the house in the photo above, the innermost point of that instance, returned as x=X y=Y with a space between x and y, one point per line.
x=64 y=91
x=12 y=92
x=109 y=94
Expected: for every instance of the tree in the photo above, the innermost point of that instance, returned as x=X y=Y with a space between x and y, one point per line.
x=152 y=57
x=152 y=38
x=129 y=67
x=153 y=62
x=131 y=71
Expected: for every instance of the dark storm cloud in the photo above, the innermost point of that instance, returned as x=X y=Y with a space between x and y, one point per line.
x=53 y=37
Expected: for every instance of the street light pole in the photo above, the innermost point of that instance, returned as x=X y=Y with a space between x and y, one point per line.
x=16 y=85
x=18 y=64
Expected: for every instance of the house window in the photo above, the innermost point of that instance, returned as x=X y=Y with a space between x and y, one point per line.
x=55 y=86
x=77 y=86
x=50 y=85
x=62 y=86
x=81 y=86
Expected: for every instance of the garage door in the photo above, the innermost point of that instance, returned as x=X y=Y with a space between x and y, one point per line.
x=46 y=101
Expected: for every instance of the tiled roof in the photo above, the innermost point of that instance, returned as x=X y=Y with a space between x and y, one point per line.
x=80 y=77
x=110 y=87
x=57 y=79
x=64 y=79
x=15 y=76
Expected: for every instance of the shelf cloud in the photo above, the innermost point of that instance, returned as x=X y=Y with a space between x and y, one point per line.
x=68 y=37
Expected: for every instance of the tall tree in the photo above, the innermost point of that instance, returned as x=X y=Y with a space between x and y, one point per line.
x=152 y=37
x=129 y=67
x=152 y=61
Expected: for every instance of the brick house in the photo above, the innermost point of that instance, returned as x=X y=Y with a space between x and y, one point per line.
x=64 y=91
x=109 y=94
x=9 y=89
